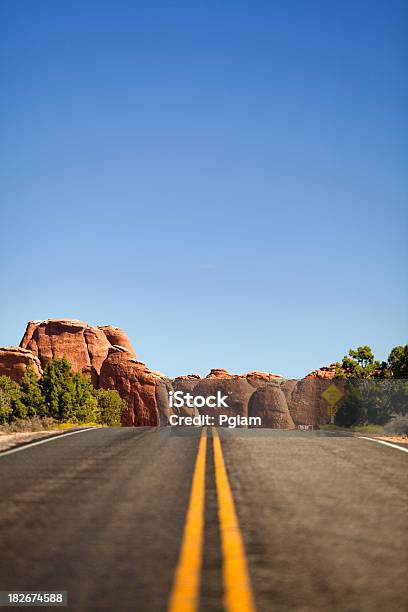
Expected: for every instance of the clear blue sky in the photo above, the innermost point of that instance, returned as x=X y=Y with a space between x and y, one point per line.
x=227 y=181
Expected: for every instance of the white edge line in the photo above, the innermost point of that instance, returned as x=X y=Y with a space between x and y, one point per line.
x=50 y=439
x=401 y=448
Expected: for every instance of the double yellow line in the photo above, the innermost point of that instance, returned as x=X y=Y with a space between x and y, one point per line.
x=186 y=587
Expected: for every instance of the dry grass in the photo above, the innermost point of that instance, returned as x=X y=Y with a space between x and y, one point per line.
x=35 y=423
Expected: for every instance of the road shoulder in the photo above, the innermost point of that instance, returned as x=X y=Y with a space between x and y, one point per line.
x=13 y=440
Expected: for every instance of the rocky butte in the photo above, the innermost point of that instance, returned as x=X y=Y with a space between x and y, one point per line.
x=107 y=356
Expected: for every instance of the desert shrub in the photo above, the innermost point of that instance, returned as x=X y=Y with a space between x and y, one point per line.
x=60 y=395
x=373 y=402
x=110 y=406
x=398 y=361
x=85 y=404
x=31 y=394
x=5 y=407
x=397 y=425
x=57 y=387
x=68 y=396
x=359 y=363
x=12 y=391
x=34 y=423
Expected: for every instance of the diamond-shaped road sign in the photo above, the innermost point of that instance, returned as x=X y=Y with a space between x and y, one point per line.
x=332 y=395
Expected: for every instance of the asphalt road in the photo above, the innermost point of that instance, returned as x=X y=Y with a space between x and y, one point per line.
x=101 y=514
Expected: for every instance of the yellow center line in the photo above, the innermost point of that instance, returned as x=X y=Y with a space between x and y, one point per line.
x=237 y=587
x=186 y=586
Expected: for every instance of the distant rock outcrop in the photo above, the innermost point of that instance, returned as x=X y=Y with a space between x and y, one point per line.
x=163 y=388
x=186 y=384
x=258 y=379
x=219 y=373
x=236 y=388
x=14 y=361
x=305 y=402
x=269 y=403
x=326 y=372
x=106 y=354
x=135 y=383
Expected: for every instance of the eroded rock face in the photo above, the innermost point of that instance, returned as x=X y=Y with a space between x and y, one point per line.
x=135 y=383
x=219 y=373
x=117 y=336
x=269 y=403
x=88 y=348
x=306 y=403
x=304 y=397
x=258 y=379
x=326 y=372
x=288 y=387
x=106 y=354
x=236 y=388
x=164 y=386
x=85 y=347
x=186 y=384
x=14 y=361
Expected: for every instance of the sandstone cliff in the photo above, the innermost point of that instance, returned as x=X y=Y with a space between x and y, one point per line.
x=86 y=347
x=269 y=403
x=14 y=360
x=106 y=354
x=135 y=383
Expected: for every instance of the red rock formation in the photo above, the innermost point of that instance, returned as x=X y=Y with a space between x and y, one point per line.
x=237 y=388
x=255 y=378
x=288 y=387
x=327 y=372
x=106 y=353
x=163 y=388
x=14 y=361
x=89 y=349
x=306 y=401
x=85 y=347
x=117 y=336
x=267 y=376
x=30 y=329
x=269 y=403
x=186 y=384
x=219 y=373
x=135 y=383
x=258 y=379
x=194 y=378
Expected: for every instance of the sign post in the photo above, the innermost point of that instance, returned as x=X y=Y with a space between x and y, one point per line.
x=332 y=395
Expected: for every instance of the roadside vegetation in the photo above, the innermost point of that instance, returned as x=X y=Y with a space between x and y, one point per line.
x=375 y=393
x=58 y=398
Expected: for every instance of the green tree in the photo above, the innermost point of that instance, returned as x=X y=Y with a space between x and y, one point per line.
x=12 y=391
x=359 y=363
x=85 y=404
x=5 y=407
x=398 y=362
x=50 y=389
x=31 y=394
x=57 y=386
x=110 y=407
x=69 y=396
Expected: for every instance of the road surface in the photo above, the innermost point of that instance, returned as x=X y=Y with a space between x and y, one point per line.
x=321 y=521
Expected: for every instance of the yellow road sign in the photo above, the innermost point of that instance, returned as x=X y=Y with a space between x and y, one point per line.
x=332 y=410
x=332 y=395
